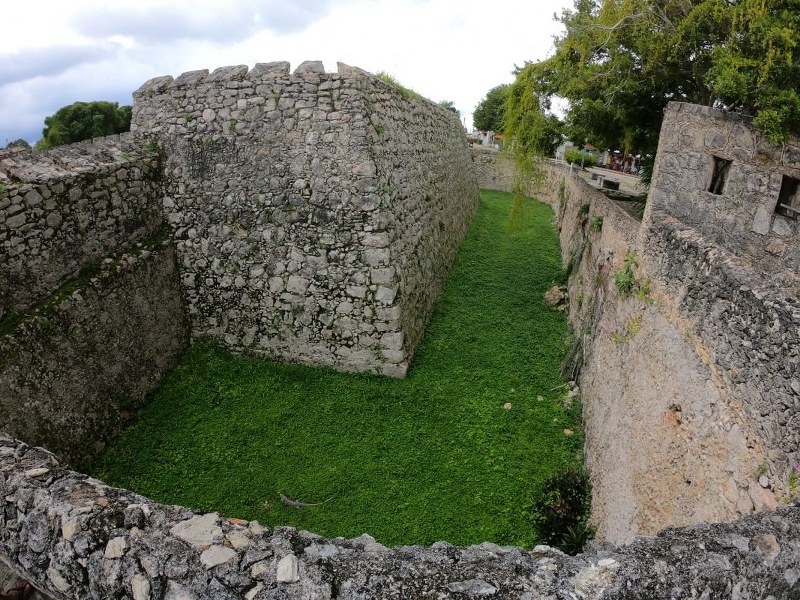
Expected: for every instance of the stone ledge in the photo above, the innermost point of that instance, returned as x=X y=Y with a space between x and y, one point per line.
x=75 y=537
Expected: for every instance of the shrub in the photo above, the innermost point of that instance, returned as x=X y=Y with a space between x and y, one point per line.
x=575 y=156
x=561 y=510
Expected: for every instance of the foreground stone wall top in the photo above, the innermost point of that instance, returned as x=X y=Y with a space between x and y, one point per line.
x=316 y=214
x=76 y=538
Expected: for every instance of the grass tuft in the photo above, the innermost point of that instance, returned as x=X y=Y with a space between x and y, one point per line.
x=436 y=456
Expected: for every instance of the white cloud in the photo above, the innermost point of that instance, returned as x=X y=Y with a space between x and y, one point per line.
x=50 y=61
x=83 y=50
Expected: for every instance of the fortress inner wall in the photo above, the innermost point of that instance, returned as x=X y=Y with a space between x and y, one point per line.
x=689 y=410
x=92 y=311
x=739 y=267
x=315 y=214
x=76 y=371
x=67 y=208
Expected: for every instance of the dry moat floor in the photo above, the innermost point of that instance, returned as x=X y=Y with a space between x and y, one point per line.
x=453 y=452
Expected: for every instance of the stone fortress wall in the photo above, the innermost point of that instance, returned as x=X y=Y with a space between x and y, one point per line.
x=315 y=214
x=691 y=391
x=740 y=273
x=91 y=309
x=62 y=210
x=75 y=537
x=308 y=217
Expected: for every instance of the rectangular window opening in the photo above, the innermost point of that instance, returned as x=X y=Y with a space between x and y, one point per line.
x=789 y=198
x=720 y=176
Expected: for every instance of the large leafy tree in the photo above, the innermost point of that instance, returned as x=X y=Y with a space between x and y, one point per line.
x=82 y=121
x=620 y=62
x=490 y=113
x=757 y=70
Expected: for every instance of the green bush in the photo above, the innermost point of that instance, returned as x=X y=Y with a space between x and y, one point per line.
x=561 y=510
x=575 y=156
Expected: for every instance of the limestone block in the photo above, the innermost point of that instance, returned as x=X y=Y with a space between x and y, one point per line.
x=216 y=555
x=297 y=284
x=377 y=257
x=288 y=570
x=140 y=587
x=392 y=340
x=783 y=226
x=201 y=530
x=176 y=591
x=385 y=295
x=351 y=72
x=16 y=221
x=383 y=276
x=762 y=222
x=190 y=78
x=269 y=70
x=231 y=73
x=356 y=291
x=115 y=548
x=33 y=198
x=310 y=66
x=154 y=85
x=376 y=240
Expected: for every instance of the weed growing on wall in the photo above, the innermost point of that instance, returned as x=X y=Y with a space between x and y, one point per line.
x=794 y=481
x=624 y=279
x=628 y=283
x=407 y=93
x=455 y=452
x=151 y=145
x=633 y=325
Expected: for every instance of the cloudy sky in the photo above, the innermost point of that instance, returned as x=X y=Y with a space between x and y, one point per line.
x=56 y=52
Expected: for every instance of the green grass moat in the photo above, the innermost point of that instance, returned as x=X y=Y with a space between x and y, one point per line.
x=436 y=456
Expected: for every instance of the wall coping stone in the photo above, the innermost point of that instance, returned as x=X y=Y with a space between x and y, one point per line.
x=75 y=537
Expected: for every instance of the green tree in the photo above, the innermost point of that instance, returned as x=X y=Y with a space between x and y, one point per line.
x=529 y=128
x=620 y=62
x=82 y=121
x=489 y=115
x=757 y=70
